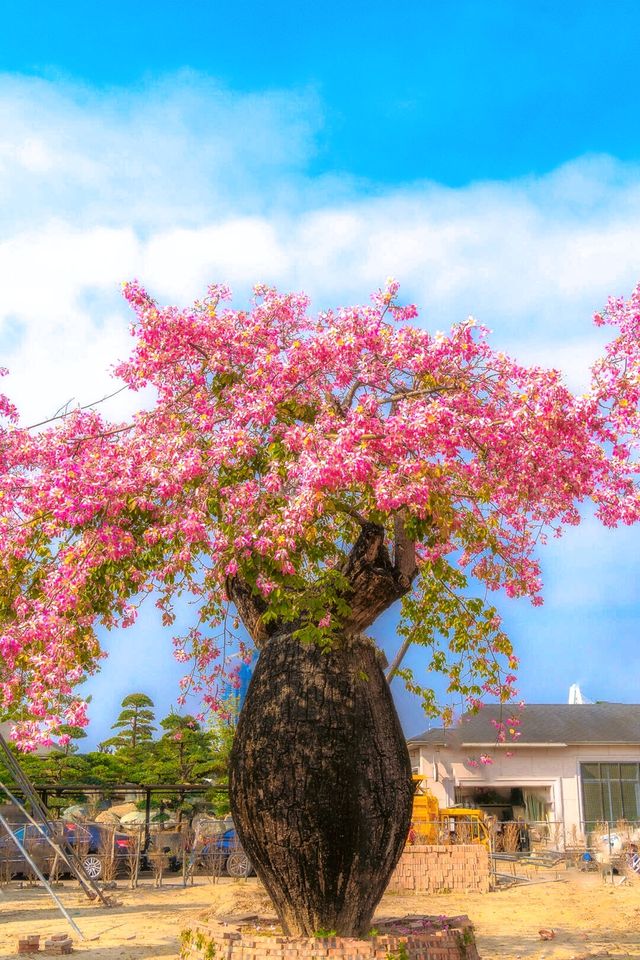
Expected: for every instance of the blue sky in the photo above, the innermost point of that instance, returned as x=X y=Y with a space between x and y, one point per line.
x=455 y=91
x=486 y=154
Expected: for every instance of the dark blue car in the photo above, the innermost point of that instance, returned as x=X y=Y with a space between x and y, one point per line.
x=232 y=857
x=224 y=854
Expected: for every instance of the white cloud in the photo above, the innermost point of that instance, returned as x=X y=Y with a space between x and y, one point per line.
x=184 y=183
x=175 y=152
x=182 y=262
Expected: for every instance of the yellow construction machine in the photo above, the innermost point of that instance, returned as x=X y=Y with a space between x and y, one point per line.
x=432 y=823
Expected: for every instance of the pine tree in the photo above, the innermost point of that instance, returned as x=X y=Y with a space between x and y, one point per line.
x=134 y=723
x=183 y=754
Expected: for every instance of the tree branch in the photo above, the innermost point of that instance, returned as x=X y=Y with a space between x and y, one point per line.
x=397 y=660
x=353 y=389
x=343 y=507
x=374 y=581
x=333 y=401
x=66 y=412
x=251 y=607
x=404 y=550
x=413 y=394
x=198 y=349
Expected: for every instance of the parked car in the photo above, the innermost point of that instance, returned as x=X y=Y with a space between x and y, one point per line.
x=229 y=854
x=92 y=839
x=218 y=854
x=13 y=862
x=88 y=839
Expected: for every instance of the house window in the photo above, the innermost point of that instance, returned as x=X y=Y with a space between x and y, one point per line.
x=610 y=791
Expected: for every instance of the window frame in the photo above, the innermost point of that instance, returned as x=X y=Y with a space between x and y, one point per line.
x=611 y=789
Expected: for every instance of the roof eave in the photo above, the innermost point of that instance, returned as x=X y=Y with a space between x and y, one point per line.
x=510 y=746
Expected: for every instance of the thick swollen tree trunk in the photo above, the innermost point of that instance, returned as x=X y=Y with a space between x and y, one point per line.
x=320 y=782
x=320 y=778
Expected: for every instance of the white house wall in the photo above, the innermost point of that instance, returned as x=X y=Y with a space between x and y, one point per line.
x=556 y=767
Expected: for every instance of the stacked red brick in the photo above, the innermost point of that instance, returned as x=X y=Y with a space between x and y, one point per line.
x=29 y=943
x=434 y=868
x=58 y=945
x=451 y=943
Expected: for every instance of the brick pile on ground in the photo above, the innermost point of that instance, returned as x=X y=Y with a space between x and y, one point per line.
x=442 y=868
x=29 y=943
x=415 y=938
x=58 y=945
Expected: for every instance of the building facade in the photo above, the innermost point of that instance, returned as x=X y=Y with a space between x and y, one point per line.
x=570 y=765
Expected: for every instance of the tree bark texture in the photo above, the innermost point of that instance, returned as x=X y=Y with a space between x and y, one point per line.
x=320 y=783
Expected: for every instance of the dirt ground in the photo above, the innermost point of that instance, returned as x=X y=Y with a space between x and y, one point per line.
x=590 y=918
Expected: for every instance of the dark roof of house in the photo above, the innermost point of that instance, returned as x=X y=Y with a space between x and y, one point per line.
x=543 y=723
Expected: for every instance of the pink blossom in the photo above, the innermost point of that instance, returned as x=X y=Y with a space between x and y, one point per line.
x=274 y=432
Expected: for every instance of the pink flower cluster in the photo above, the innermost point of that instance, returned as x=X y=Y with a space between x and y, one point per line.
x=274 y=433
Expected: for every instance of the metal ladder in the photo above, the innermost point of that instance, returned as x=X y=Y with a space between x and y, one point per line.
x=60 y=845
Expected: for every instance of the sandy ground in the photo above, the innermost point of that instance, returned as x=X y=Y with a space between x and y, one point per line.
x=590 y=918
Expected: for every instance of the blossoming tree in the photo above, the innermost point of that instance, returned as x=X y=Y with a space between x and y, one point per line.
x=300 y=475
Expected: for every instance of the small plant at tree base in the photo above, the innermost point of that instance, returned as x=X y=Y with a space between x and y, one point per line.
x=466 y=939
x=300 y=475
x=468 y=936
x=203 y=944
x=400 y=954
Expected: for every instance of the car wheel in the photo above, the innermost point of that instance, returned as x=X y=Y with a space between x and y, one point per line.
x=238 y=865
x=92 y=866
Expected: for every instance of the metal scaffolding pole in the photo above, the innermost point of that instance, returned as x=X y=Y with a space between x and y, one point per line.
x=91 y=889
x=25 y=853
